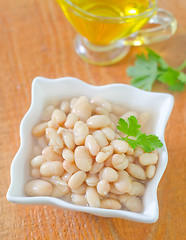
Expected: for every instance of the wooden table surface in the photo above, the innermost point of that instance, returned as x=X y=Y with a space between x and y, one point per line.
x=37 y=40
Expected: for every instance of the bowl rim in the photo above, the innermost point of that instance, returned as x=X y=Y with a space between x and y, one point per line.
x=56 y=201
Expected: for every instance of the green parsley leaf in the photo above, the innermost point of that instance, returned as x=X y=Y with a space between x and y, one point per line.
x=132 y=129
x=148 y=69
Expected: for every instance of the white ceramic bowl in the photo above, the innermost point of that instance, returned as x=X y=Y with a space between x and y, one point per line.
x=159 y=105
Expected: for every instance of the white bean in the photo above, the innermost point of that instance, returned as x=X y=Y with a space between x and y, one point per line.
x=68 y=138
x=100 y=138
x=81 y=131
x=118 y=109
x=65 y=106
x=59 y=192
x=130 y=151
x=68 y=155
x=101 y=157
x=77 y=179
x=134 y=204
x=39 y=129
x=143 y=118
x=72 y=118
x=138 y=151
x=109 y=174
x=92 y=180
x=37 y=161
x=81 y=189
x=83 y=158
x=49 y=154
x=136 y=171
x=103 y=187
x=38 y=187
x=148 y=158
x=70 y=167
x=82 y=108
x=109 y=203
x=150 y=171
x=47 y=112
x=58 y=116
x=54 y=168
x=101 y=102
x=55 y=138
x=96 y=167
x=52 y=124
x=120 y=146
x=92 y=145
x=137 y=189
x=92 y=197
x=113 y=118
x=98 y=121
x=109 y=133
x=35 y=172
x=123 y=184
x=101 y=111
x=79 y=199
x=119 y=161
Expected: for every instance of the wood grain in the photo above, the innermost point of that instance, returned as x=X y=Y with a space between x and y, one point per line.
x=36 y=40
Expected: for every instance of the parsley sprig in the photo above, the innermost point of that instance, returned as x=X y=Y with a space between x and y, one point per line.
x=135 y=137
x=148 y=69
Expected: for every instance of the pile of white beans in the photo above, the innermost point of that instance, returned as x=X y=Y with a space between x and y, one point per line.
x=78 y=156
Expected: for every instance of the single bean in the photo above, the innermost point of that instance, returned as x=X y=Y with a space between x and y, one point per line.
x=83 y=158
x=103 y=187
x=81 y=189
x=92 y=180
x=72 y=118
x=81 y=131
x=38 y=187
x=100 y=138
x=61 y=186
x=123 y=184
x=54 y=102
x=68 y=138
x=107 y=149
x=68 y=155
x=92 y=145
x=82 y=108
x=37 y=161
x=134 y=204
x=79 y=199
x=77 y=179
x=148 y=158
x=35 y=172
x=65 y=106
x=136 y=171
x=98 y=121
x=49 y=154
x=101 y=102
x=47 y=112
x=109 y=133
x=138 y=151
x=109 y=203
x=92 y=197
x=120 y=146
x=54 y=168
x=101 y=157
x=55 y=138
x=109 y=174
x=72 y=102
x=96 y=167
x=119 y=161
x=123 y=198
x=126 y=115
x=58 y=116
x=101 y=111
x=56 y=148
x=70 y=167
x=150 y=171
x=137 y=189
x=39 y=130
